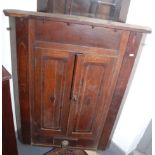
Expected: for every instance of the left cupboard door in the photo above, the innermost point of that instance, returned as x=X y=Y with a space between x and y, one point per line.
x=53 y=71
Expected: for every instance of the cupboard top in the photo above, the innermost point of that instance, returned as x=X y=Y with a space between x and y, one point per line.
x=76 y=19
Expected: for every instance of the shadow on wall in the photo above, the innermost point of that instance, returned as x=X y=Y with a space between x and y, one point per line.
x=145 y=145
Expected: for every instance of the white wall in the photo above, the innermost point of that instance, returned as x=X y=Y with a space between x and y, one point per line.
x=137 y=110
x=29 y=5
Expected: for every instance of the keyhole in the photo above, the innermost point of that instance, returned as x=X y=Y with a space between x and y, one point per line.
x=52 y=99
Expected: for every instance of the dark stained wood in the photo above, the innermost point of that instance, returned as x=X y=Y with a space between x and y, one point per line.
x=77 y=20
x=90 y=99
x=53 y=76
x=71 y=73
x=107 y=9
x=91 y=37
x=124 y=75
x=88 y=95
x=81 y=49
x=23 y=76
x=8 y=132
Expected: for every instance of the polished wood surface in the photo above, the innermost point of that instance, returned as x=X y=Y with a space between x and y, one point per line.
x=108 y=9
x=71 y=76
x=9 y=145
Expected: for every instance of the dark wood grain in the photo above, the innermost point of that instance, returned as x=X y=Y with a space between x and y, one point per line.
x=124 y=75
x=53 y=76
x=72 y=73
x=8 y=132
x=23 y=76
x=88 y=95
x=63 y=33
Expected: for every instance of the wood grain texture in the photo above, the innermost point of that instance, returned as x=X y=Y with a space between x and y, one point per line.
x=78 y=20
x=85 y=112
x=53 y=76
x=71 y=76
x=23 y=76
x=69 y=34
x=124 y=75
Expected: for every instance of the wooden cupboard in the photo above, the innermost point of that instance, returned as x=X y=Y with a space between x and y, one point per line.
x=70 y=74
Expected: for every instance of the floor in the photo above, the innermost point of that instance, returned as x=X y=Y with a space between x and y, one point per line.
x=33 y=150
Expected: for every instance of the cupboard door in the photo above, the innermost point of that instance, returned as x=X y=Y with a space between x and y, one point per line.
x=91 y=93
x=53 y=76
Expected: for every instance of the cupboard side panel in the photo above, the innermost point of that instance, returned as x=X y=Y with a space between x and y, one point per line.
x=125 y=71
x=23 y=79
x=20 y=50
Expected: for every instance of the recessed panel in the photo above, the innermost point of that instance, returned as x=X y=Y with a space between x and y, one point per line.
x=52 y=82
x=85 y=35
x=89 y=101
x=53 y=90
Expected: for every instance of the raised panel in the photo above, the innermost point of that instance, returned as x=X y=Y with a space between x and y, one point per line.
x=53 y=84
x=53 y=76
x=89 y=96
x=91 y=88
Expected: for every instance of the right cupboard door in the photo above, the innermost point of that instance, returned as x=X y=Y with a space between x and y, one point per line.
x=92 y=88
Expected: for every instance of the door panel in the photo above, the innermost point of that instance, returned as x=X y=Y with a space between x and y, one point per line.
x=90 y=93
x=89 y=96
x=53 y=76
x=53 y=90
